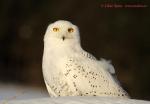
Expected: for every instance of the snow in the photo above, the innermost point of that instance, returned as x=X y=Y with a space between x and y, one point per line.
x=20 y=92
x=76 y=100
x=16 y=94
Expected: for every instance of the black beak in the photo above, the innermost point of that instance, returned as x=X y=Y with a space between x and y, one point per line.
x=63 y=38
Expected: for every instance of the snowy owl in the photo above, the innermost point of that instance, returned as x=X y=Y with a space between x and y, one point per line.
x=70 y=71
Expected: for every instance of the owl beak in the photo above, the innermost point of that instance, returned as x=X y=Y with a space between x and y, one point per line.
x=63 y=38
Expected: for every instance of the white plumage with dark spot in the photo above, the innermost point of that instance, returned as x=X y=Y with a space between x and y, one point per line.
x=70 y=71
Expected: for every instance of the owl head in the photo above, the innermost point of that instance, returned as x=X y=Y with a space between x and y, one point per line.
x=62 y=31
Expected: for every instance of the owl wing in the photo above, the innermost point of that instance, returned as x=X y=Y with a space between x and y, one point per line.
x=87 y=55
x=102 y=62
x=86 y=77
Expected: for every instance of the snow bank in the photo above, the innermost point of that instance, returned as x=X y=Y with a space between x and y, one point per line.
x=18 y=94
x=76 y=100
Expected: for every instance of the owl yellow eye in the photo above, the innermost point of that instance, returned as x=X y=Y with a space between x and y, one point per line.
x=55 y=29
x=70 y=30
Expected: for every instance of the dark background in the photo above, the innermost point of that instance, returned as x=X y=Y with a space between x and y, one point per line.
x=119 y=34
